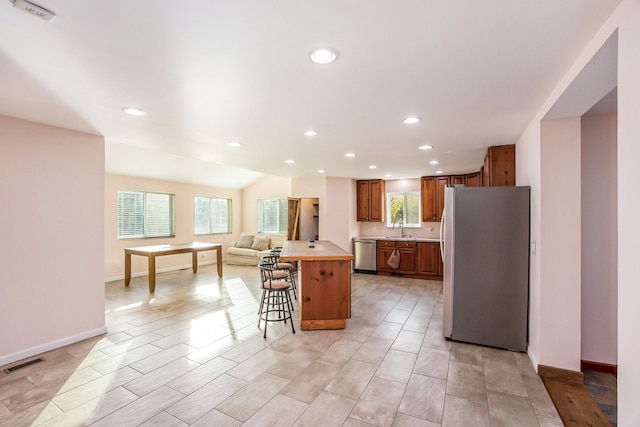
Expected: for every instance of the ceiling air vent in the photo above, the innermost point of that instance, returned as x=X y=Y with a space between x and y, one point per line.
x=34 y=9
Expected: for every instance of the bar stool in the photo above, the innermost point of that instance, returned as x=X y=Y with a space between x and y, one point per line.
x=275 y=297
x=283 y=266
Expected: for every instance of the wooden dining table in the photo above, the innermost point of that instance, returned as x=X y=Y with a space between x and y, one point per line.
x=151 y=252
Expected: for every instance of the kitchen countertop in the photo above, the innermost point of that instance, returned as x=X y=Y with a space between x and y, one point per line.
x=323 y=250
x=401 y=239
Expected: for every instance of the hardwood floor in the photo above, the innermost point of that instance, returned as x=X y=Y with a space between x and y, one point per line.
x=191 y=354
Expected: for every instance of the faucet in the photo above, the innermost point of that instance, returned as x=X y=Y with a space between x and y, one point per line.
x=402 y=233
x=397 y=218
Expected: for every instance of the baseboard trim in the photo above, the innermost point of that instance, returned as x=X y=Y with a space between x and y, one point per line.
x=607 y=368
x=560 y=374
x=33 y=351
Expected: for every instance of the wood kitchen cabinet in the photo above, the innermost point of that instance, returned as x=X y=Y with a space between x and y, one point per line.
x=457 y=180
x=429 y=259
x=408 y=256
x=432 y=195
x=500 y=166
x=473 y=180
x=370 y=200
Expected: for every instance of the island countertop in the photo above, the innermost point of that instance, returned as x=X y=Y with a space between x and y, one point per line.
x=324 y=250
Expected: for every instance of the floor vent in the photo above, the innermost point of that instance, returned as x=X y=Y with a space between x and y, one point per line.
x=24 y=365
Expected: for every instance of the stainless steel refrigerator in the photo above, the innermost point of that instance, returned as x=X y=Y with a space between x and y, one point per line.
x=485 y=250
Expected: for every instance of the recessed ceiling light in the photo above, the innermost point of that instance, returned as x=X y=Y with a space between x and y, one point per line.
x=134 y=111
x=233 y=144
x=434 y=162
x=439 y=172
x=372 y=166
x=310 y=133
x=321 y=171
x=387 y=175
x=425 y=147
x=350 y=155
x=324 y=56
x=290 y=162
x=411 y=120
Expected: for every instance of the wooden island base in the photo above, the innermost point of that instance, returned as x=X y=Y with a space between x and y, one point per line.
x=315 y=325
x=325 y=283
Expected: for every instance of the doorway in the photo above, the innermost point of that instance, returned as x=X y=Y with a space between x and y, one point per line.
x=303 y=218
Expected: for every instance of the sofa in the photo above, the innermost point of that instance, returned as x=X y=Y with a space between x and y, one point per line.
x=249 y=249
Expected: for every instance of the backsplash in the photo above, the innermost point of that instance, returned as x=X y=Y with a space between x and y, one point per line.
x=430 y=230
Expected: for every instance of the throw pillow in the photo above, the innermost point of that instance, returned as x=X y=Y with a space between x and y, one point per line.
x=245 y=241
x=261 y=243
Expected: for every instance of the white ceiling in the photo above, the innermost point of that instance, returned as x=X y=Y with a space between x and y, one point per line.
x=209 y=72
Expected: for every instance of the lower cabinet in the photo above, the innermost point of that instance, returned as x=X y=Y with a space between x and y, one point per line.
x=417 y=259
x=429 y=259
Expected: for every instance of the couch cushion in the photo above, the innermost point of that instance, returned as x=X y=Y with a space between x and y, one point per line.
x=242 y=252
x=261 y=243
x=245 y=241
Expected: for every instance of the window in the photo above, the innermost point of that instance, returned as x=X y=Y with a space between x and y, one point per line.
x=403 y=208
x=213 y=215
x=272 y=216
x=142 y=214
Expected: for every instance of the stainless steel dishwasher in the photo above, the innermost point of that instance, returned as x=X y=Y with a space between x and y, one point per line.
x=364 y=251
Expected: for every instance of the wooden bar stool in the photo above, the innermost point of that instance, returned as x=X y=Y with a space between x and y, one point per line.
x=283 y=266
x=276 y=299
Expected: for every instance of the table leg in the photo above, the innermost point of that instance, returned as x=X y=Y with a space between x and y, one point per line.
x=127 y=268
x=219 y=260
x=194 y=261
x=152 y=273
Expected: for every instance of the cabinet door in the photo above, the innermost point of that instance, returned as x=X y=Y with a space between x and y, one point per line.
x=376 y=200
x=503 y=165
x=428 y=197
x=362 y=200
x=457 y=180
x=473 y=180
x=383 y=254
x=441 y=183
x=407 y=257
x=429 y=258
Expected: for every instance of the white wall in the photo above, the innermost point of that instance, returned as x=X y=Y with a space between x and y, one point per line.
x=338 y=212
x=51 y=280
x=184 y=227
x=599 y=239
x=559 y=243
x=264 y=188
x=625 y=19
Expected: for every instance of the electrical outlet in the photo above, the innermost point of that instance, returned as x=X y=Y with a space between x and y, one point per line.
x=533 y=247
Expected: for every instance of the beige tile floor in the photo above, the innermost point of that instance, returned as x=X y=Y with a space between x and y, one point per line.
x=191 y=354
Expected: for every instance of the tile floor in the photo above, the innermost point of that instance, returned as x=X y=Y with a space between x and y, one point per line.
x=191 y=354
x=604 y=389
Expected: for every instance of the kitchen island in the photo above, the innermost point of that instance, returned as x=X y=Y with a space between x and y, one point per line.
x=324 y=283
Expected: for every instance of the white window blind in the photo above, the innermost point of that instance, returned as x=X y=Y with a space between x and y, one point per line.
x=212 y=215
x=143 y=214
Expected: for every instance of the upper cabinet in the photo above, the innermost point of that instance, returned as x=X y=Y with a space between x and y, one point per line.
x=473 y=180
x=499 y=169
x=500 y=166
x=432 y=189
x=370 y=200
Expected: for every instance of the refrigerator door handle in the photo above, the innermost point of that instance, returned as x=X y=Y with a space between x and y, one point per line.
x=442 y=219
